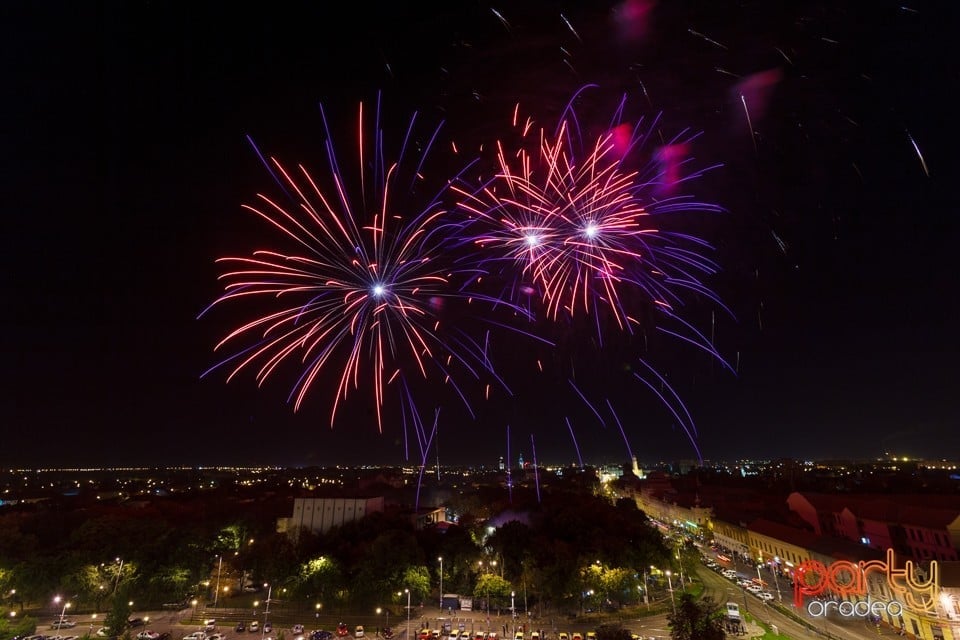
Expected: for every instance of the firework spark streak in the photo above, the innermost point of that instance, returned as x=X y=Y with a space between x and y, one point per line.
x=363 y=290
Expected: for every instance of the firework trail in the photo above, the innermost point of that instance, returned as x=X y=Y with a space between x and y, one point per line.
x=536 y=467
x=574 y=438
x=361 y=293
x=626 y=441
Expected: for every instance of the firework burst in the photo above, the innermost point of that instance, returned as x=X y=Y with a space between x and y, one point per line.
x=592 y=226
x=360 y=298
x=583 y=230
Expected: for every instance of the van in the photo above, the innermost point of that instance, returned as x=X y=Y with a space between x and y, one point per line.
x=733 y=611
x=358 y=631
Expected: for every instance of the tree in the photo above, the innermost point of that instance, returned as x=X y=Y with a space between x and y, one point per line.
x=619 y=584
x=491 y=586
x=417 y=579
x=696 y=620
x=119 y=614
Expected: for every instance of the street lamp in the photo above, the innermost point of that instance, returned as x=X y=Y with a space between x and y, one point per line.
x=407 y=591
x=646 y=590
x=318 y=606
x=440 y=558
x=119 y=571
x=776 y=581
x=266 y=611
x=66 y=605
x=670 y=585
x=216 y=593
x=93 y=618
x=386 y=624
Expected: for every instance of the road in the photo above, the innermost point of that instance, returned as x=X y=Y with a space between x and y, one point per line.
x=723 y=590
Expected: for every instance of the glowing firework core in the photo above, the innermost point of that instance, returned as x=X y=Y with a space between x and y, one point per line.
x=378 y=290
x=532 y=239
x=591 y=230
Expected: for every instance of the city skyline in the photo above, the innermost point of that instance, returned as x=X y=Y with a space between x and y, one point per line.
x=817 y=129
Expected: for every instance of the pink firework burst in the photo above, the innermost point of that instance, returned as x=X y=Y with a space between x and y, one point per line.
x=581 y=227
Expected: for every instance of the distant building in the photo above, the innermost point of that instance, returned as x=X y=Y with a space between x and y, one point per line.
x=918 y=527
x=322 y=514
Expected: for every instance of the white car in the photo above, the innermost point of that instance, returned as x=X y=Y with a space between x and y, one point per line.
x=196 y=635
x=253 y=627
x=63 y=623
x=754 y=588
x=148 y=635
x=297 y=629
x=765 y=595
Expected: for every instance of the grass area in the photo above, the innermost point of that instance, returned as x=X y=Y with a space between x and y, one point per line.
x=768 y=633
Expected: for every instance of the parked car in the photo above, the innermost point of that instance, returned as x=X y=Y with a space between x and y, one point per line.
x=241 y=626
x=135 y=622
x=254 y=627
x=217 y=636
x=321 y=634
x=765 y=595
x=297 y=629
x=148 y=635
x=268 y=627
x=358 y=631
x=343 y=631
x=196 y=635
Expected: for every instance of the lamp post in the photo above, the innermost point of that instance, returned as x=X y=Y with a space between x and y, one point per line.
x=441 y=583
x=66 y=605
x=266 y=610
x=119 y=571
x=646 y=590
x=407 y=591
x=673 y=602
x=216 y=593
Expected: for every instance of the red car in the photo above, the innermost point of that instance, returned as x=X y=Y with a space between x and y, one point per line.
x=342 y=630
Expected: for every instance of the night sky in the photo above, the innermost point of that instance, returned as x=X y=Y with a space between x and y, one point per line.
x=125 y=164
